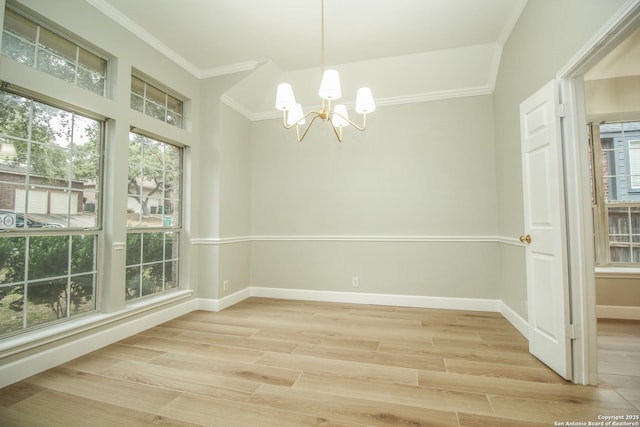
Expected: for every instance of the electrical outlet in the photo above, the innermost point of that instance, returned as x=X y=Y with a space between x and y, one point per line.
x=225 y=285
x=355 y=282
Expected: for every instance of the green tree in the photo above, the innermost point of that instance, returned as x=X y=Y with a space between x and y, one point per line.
x=153 y=165
x=45 y=144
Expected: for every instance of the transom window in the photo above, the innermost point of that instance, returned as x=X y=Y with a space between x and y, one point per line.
x=50 y=169
x=155 y=102
x=32 y=44
x=153 y=216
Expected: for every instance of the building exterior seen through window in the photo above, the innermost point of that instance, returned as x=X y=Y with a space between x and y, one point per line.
x=617 y=187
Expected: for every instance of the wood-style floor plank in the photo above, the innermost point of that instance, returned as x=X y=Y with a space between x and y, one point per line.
x=273 y=362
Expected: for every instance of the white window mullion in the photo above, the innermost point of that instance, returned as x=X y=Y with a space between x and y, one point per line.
x=69 y=263
x=25 y=292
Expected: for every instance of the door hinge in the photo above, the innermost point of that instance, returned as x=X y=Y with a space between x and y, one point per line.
x=572 y=331
x=562 y=110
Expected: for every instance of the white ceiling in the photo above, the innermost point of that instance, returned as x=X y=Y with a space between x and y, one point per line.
x=210 y=37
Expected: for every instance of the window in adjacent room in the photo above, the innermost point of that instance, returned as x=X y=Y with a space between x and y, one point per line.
x=153 y=216
x=155 y=102
x=50 y=177
x=32 y=44
x=617 y=192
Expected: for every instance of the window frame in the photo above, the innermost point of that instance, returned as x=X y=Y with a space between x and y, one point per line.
x=176 y=229
x=601 y=215
x=29 y=234
x=76 y=61
x=148 y=83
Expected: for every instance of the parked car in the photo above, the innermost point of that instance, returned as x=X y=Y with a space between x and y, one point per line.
x=20 y=219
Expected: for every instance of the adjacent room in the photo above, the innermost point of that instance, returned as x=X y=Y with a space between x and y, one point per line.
x=234 y=212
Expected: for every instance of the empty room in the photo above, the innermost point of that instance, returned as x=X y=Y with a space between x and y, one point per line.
x=320 y=212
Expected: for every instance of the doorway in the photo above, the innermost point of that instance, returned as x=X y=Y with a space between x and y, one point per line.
x=576 y=80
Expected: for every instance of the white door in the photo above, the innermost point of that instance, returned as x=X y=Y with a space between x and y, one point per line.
x=544 y=235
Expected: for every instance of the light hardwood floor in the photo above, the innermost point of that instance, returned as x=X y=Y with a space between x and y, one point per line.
x=266 y=362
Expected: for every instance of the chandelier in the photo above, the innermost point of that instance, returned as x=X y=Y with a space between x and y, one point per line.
x=338 y=118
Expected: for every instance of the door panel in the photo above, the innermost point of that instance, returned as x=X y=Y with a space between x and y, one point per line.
x=542 y=178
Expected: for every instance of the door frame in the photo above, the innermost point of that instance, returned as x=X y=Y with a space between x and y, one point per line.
x=580 y=244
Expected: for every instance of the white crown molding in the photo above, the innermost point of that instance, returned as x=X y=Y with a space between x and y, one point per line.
x=398 y=100
x=239 y=108
x=228 y=69
x=144 y=35
x=127 y=23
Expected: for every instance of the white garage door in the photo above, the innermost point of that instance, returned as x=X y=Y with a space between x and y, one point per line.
x=37 y=201
x=60 y=203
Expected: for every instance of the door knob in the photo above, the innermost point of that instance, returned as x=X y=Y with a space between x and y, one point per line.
x=526 y=238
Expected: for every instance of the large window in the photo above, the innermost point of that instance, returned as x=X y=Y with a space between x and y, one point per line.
x=50 y=169
x=155 y=102
x=617 y=192
x=153 y=212
x=32 y=44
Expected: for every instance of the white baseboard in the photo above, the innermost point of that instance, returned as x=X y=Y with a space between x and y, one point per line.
x=515 y=319
x=209 y=304
x=617 y=312
x=474 y=304
x=107 y=334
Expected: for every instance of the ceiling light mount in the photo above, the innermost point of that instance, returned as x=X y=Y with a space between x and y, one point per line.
x=338 y=118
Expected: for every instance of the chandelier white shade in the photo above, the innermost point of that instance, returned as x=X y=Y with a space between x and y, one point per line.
x=330 y=85
x=338 y=118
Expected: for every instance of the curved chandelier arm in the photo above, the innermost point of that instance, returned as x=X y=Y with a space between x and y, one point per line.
x=298 y=122
x=360 y=128
x=300 y=138
x=336 y=130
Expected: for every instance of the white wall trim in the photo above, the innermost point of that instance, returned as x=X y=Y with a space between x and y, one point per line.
x=423 y=239
x=143 y=35
x=210 y=304
x=515 y=319
x=32 y=364
x=474 y=304
x=456 y=239
x=221 y=240
x=617 y=273
x=618 y=312
x=227 y=69
x=239 y=108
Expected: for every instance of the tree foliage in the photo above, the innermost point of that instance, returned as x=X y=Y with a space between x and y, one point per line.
x=56 y=272
x=153 y=170
x=53 y=281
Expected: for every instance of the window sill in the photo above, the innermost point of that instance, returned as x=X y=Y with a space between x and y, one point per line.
x=618 y=272
x=46 y=335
